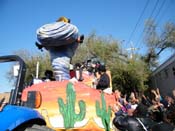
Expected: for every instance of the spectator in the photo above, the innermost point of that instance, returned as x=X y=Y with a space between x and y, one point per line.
x=133 y=101
x=78 y=72
x=156 y=95
x=121 y=105
x=48 y=76
x=104 y=80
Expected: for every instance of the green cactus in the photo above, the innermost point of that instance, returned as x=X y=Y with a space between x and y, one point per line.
x=103 y=113
x=68 y=110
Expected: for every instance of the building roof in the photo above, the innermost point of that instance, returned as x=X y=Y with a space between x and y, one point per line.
x=170 y=60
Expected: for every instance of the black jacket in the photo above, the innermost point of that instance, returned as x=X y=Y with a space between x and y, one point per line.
x=104 y=82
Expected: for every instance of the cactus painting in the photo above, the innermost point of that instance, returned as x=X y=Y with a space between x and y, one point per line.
x=68 y=109
x=103 y=113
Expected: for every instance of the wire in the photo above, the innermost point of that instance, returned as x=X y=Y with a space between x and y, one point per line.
x=141 y=15
x=163 y=13
x=155 y=6
x=160 y=8
x=138 y=43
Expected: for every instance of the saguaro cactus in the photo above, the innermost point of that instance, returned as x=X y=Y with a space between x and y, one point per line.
x=68 y=110
x=103 y=113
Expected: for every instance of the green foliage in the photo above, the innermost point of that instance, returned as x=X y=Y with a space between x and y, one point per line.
x=68 y=110
x=95 y=46
x=130 y=77
x=157 y=41
x=103 y=113
x=126 y=73
x=31 y=60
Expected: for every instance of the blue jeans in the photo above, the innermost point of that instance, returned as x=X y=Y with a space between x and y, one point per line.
x=60 y=60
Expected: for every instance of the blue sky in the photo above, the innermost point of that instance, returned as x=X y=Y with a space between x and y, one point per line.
x=118 y=18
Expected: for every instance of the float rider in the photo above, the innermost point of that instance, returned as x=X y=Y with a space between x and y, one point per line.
x=61 y=55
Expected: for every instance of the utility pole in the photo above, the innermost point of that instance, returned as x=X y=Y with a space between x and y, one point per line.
x=132 y=49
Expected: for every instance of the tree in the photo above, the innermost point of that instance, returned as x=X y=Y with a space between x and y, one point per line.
x=105 y=48
x=127 y=74
x=31 y=60
x=131 y=76
x=157 y=41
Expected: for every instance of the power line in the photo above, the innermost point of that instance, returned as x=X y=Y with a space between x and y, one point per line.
x=165 y=10
x=138 y=20
x=155 y=6
x=163 y=3
x=156 y=17
x=139 y=39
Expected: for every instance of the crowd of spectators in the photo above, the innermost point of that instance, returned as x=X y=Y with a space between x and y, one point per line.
x=160 y=108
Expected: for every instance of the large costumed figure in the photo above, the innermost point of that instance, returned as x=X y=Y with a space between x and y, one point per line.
x=61 y=39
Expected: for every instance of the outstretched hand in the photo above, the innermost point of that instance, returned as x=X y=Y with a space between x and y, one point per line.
x=39 y=46
x=80 y=39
